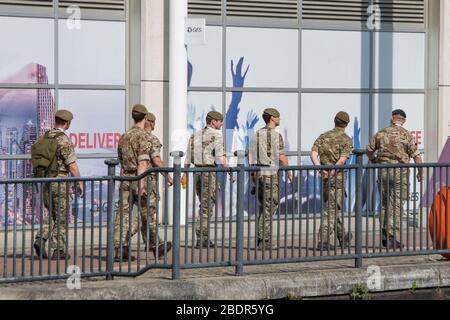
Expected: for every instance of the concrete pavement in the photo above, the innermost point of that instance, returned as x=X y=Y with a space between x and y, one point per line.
x=297 y=281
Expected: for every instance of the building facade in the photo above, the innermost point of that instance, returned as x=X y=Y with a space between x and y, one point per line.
x=310 y=59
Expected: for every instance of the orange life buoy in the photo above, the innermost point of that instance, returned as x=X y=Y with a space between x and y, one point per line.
x=440 y=214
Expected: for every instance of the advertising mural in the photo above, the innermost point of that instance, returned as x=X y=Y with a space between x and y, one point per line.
x=270 y=60
x=255 y=64
x=92 y=55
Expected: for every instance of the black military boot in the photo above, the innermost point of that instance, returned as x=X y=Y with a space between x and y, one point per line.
x=161 y=249
x=345 y=243
x=60 y=255
x=39 y=248
x=264 y=245
x=392 y=243
x=205 y=244
x=323 y=245
x=124 y=256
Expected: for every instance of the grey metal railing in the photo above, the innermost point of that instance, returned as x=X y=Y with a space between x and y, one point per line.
x=218 y=220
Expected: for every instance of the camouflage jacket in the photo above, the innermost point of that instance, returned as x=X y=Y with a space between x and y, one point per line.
x=394 y=144
x=134 y=146
x=155 y=150
x=65 y=152
x=333 y=145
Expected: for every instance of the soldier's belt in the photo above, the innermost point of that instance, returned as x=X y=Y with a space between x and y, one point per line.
x=129 y=171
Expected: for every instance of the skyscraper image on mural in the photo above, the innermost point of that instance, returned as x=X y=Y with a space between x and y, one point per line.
x=25 y=114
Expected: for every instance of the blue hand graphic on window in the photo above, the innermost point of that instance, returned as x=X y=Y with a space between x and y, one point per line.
x=190 y=72
x=252 y=120
x=231 y=117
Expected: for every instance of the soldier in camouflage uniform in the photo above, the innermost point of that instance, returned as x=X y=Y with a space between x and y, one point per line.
x=134 y=156
x=205 y=149
x=267 y=151
x=58 y=197
x=155 y=162
x=333 y=148
x=393 y=145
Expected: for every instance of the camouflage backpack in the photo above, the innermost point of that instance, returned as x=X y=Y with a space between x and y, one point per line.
x=43 y=156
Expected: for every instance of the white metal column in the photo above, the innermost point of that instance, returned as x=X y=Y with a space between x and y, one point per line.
x=177 y=86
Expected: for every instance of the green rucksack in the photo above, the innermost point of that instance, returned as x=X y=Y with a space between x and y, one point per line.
x=43 y=156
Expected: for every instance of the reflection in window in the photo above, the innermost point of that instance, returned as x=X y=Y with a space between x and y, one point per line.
x=27 y=53
x=93 y=54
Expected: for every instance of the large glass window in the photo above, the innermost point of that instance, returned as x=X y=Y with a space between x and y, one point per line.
x=98 y=123
x=399 y=60
x=326 y=63
x=26 y=44
x=309 y=69
x=49 y=63
x=93 y=54
x=314 y=124
x=412 y=104
x=199 y=104
x=207 y=60
x=271 y=56
x=310 y=72
x=245 y=118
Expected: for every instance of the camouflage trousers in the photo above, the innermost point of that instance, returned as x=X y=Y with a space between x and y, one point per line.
x=205 y=188
x=334 y=194
x=123 y=231
x=55 y=225
x=148 y=230
x=394 y=193
x=268 y=204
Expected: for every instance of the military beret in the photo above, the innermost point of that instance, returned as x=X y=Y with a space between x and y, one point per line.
x=272 y=112
x=150 y=117
x=343 y=116
x=215 y=115
x=399 y=112
x=64 y=115
x=140 y=108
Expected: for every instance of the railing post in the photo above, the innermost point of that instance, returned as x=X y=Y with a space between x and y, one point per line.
x=177 y=155
x=358 y=208
x=112 y=164
x=240 y=214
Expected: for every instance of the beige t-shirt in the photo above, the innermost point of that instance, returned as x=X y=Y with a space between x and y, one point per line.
x=205 y=147
x=266 y=147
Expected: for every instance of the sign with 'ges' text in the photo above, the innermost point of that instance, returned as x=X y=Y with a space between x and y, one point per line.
x=195 y=32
